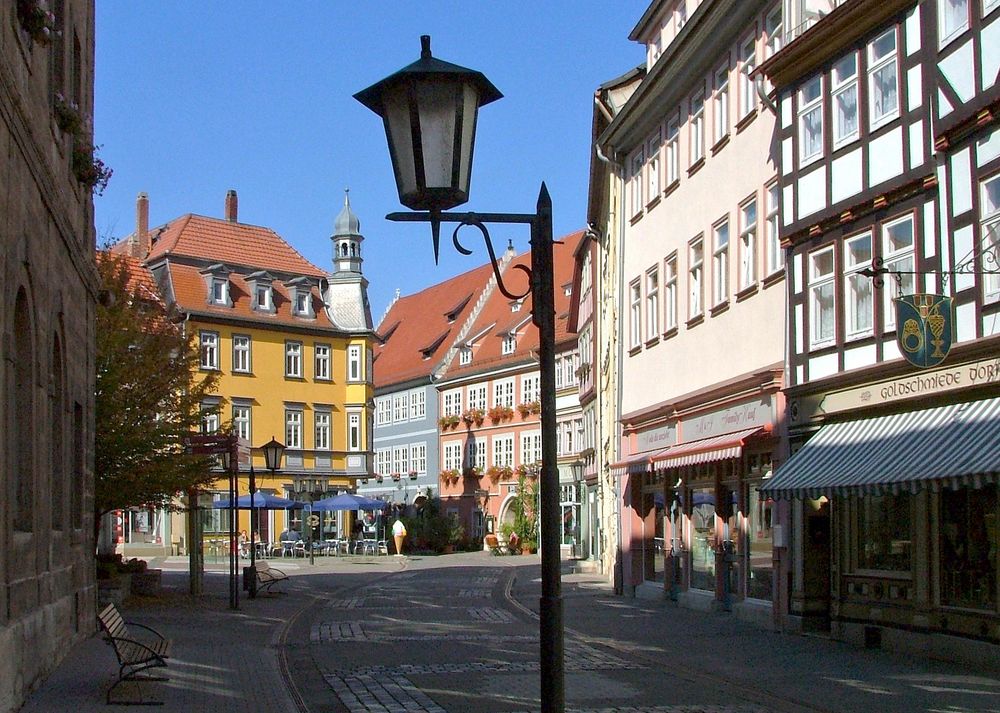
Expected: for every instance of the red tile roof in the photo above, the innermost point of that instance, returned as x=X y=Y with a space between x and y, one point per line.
x=191 y=295
x=236 y=244
x=426 y=319
x=496 y=317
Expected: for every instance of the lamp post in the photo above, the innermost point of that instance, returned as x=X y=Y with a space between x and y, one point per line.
x=429 y=110
x=273 y=450
x=230 y=463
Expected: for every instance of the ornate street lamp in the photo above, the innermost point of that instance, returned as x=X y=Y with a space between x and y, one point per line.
x=273 y=450
x=429 y=110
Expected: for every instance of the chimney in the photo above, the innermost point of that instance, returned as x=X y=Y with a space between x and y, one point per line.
x=140 y=240
x=231 y=205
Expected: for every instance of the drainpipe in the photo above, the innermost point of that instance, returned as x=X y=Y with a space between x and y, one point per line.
x=758 y=83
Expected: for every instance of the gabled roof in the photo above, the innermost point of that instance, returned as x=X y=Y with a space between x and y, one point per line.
x=418 y=329
x=235 y=244
x=496 y=315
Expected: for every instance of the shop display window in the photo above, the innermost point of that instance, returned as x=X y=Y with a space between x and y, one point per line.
x=883 y=533
x=969 y=540
x=761 y=545
x=703 y=539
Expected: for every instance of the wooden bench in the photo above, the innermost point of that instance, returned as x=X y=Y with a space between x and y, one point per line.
x=267 y=576
x=135 y=654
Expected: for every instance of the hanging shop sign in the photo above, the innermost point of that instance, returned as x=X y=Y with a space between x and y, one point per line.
x=924 y=328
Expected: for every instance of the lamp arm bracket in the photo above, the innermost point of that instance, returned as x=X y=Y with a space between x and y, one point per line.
x=473 y=220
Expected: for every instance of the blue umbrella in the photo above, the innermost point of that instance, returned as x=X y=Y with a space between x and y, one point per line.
x=261 y=501
x=347 y=501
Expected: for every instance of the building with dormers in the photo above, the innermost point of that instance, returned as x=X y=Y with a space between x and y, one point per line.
x=293 y=344
x=889 y=148
x=416 y=337
x=49 y=288
x=489 y=399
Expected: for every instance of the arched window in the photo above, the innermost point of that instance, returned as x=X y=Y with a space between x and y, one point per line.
x=22 y=439
x=57 y=448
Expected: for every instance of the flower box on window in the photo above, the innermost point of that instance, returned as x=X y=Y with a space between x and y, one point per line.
x=473 y=416
x=37 y=20
x=395 y=476
x=501 y=413
x=412 y=474
x=499 y=472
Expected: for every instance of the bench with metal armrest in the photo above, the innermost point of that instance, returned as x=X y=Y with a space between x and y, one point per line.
x=135 y=653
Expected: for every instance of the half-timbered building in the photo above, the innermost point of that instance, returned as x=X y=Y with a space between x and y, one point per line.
x=888 y=149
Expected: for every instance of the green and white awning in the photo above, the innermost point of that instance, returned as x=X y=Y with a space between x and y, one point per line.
x=949 y=446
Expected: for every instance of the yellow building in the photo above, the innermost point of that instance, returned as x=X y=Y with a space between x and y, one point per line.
x=292 y=345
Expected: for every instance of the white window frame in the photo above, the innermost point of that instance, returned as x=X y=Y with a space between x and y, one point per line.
x=401 y=407
x=696 y=128
x=901 y=259
x=241 y=353
x=747 y=65
x=354 y=363
x=670 y=293
x=876 y=66
x=946 y=34
x=807 y=108
x=209 y=342
x=503 y=450
x=293 y=359
x=451 y=402
x=748 y=243
x=265 y=292
x=635 y=183
x=635 y=314
x=774 y=30
x=696 y=277
x=820 y=284
x=680 y=15
x=452 y=455
x=321 y=431
x=653 y=302
x=673 y=151
x=989 y=231
x=503 y=392
x=321 y=362
x=418 y=404
x=531 y=447
x=653 y=167
x=293 y=428
x=775 y=254
x=464 y=355
x=989 y=6
x=858 y=320
x=301 y=306
x=418 y=458
x=242 y=421
x=508 y=344
x=720 y=262
x=210 y=420
x=720 y=103
x=220 y=291
x=383 y=410
x=531 y=388
x=353 y=431
x=476 y=397
x=844 y=84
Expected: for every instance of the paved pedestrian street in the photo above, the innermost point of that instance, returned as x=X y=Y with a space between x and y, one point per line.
x=460 y=633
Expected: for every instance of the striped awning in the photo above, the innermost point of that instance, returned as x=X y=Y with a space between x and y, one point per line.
x=947 y=446
x=707 y=450
x=635 y=463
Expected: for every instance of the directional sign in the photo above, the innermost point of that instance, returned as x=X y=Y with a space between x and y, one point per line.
x=208 y=444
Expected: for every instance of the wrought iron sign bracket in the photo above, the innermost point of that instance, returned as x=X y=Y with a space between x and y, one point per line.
x=990 y=266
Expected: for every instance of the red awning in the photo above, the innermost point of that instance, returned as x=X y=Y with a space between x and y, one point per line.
x=707 y=450
x=635 y=463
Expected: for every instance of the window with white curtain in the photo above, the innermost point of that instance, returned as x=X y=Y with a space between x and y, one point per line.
x=989 y=226
x=293 y=428
x=670 y=292
x=858 y=306
x=883 y=79
x=635 y=183
x=822 y=298
x=811 y=120
x=720 y=263
x=241 y=421
x=720 y=103
x=748 y=244
x=774 y=31
x=953 y=19
x=673 y=150
x=635 y=314
x=653 y=166
x=748 y=63
x=844 y=93
x=897 y=255
x=775 y=255
x=697 y=128
x=696 y=253
x=322 y=434
x=293 y=359
x=241 y=353
x=653 y=303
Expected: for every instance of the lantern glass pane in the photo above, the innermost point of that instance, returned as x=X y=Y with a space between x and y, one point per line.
x=400 y=136
x=438 y=107
x=470 y=101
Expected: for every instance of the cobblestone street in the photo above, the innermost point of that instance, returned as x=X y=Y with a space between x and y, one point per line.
x=459 y=633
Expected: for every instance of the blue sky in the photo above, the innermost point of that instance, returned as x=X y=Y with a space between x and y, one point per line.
x=194 y=98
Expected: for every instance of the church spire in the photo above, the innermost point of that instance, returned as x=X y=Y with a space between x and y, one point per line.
x=346 y=239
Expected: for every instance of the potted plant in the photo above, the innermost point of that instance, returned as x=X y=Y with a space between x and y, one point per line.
x=68 y=116
x=524 y=410
x=145 y=581
x=37 y=20
x=395 y=476
x=89 y=170
x=535 y=407
x=412 y=474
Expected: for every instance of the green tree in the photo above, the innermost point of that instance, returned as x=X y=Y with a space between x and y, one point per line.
x=147 y=399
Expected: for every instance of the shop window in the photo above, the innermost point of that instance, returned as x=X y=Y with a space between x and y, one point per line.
x=968 y=545
x=760 y=579
x=883 y=532
x=703 y=539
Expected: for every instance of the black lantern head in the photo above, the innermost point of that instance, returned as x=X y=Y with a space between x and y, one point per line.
x=429 y=110
x=273 y=450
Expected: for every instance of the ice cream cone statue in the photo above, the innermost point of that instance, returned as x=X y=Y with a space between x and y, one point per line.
x=398 y=535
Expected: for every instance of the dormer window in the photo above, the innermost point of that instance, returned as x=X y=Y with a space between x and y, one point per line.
x=300 y=293
x=515 y=306
x=465 y=355
x=509 y=344
x=263 y=294
x=217 y=284
x=263 y=302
